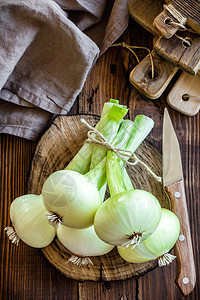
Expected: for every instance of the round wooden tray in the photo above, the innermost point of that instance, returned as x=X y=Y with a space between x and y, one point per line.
x=56 y=148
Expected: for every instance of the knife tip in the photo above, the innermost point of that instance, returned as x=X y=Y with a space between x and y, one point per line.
x=166 y=113
x=165 y=110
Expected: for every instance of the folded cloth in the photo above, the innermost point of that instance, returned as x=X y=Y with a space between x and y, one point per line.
x=28 y=121
x=47 y=49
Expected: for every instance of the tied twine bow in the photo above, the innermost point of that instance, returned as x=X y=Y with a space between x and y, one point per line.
x=120 y=152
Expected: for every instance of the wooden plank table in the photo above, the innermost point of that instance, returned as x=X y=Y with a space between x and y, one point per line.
x=25 y=273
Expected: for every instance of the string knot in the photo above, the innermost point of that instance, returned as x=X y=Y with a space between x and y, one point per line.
x=122 y=153
x=123 y=44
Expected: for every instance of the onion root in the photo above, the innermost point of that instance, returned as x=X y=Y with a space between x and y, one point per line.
x=134 y=240
x=53 y=218
x=165 y=259
x=12 y=235
x=80 y=261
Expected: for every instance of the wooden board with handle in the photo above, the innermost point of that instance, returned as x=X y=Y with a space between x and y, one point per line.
x=141 y=76
x=180 y=47
x=144 y=12
x=176 y=14
x=182 y=50
x=185 y=94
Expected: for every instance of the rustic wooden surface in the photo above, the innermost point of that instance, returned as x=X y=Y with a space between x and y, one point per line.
x=144 y=12
x=25 y=272
x=152 y=86
x=189 y=9
x=175 y=50
x=185 y=94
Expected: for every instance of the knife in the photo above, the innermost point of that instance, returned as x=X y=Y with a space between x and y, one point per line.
x=174 y=185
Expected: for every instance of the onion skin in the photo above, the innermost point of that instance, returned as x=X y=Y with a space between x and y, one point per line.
x=30 y=224
x=83 y=242
x=138 y=254
x=73 y=197
x=158 y=244
x=126 y=213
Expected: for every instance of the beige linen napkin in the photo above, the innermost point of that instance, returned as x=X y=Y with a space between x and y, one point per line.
x=47 y=49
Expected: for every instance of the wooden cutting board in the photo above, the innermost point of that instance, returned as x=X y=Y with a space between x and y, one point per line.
x=183 y=12
x=144 y=12
x=141 y=76
x=56 y=148
x=184 y=52
x=174 y=49
x=185 y=95
x=180 y=48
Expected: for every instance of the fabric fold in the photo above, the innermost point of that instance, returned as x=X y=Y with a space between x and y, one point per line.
x=47 y=49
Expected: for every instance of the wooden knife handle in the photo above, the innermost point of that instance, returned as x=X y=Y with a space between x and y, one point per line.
x=186 y=274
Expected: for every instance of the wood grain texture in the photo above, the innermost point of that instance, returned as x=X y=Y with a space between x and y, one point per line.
x=185 y=94
x=182 y=12
x=144 y=12
x=25 y=273
x=186 y=273
x=117 y=290
x=170 y=46
x=158 y=283
x=23 y=269
x=176 y=51
x=166 y=23
x=141 y=76
x=165 y=289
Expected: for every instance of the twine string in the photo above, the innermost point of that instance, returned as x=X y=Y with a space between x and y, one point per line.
x=130 y=48
x=175 y=13
x=185 y=41
x=120 y=152
x=179 y=24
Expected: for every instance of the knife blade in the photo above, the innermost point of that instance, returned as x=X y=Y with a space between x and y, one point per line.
x=174 y=185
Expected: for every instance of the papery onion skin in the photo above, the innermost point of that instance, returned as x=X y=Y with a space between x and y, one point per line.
x=158 y=244
x=83 y=242
x=126 y=213
x=30 y=224
x=138 y=254
x=73 y=197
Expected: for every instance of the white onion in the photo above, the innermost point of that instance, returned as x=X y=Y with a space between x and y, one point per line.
x=127 y=218
x=158 y=244
x=82 y=243
x=72 y=198
x=29 y=222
